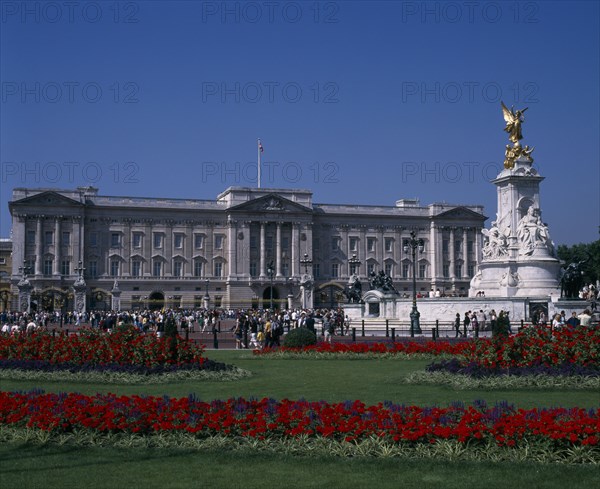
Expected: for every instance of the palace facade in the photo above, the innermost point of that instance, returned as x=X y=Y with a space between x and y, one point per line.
x=247 y=248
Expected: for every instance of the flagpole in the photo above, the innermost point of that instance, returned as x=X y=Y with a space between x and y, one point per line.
x=258 y=148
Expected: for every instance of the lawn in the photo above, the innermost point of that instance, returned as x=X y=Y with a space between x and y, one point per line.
x=371 y=381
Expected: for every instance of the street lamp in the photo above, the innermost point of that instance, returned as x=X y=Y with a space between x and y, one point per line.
x=270 y=273
x=307 y=262
x=413 y=244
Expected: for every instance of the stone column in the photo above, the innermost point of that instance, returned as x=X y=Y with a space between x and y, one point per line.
x=262 y=244
x=76 y=243
x=432 y=253
x=477 y=248
x=39 y=255
x=56 y=268
x=295 y=244
x=188 y=245
x=465 y=253
x=278 y=273
x=232 y=248
x=452 y=254
x=168 y=249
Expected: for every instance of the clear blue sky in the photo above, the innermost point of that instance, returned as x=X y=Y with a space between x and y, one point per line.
x=361 y=102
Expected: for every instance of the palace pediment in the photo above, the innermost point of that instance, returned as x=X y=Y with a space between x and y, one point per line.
x=47 y=199
x=460 y=214
x=270 y=203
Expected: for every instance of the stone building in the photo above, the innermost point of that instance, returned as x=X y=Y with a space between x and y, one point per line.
x=5 y=272
x=247 y=248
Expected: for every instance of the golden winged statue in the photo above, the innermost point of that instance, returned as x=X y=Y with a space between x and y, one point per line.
x=513 y=119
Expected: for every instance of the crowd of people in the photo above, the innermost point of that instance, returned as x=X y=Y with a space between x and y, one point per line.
x=256 y=328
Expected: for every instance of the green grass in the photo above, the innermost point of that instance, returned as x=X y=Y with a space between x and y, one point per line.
x=372 y=381
x=62 y=467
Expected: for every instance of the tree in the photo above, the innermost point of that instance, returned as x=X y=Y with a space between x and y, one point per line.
x=589 y=253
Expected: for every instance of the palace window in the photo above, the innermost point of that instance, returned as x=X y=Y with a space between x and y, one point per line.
x=48 y=267
x=253 y=269
x=197 y=268
x=370 y=268
x=335 y=243
x=219 y=242
x=94 y=239
x=114 y=268
x=177 y=268
x=157 y=268
x=446 y=270
x=389 y=269
x=422 y=270
x=353 y=243
x=115 y=240
x=66 y=238
x=335 y=270
x=458 y=270
x=178 y=241
x=65 y=267
x=218 y=269
x=316 y=270
x=136 y=268
x=389 y=244
x=157 y=239
x=198 y=241
x=137 y=240
x=92 y=268
x=48 y=238
x=30 y=238
x=371 y=244
x=471 y=270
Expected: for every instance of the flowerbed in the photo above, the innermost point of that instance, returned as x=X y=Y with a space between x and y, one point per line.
x=351 y=423
x=533 y=351
x=92 y=355
x=91 y=348
x=410 y=348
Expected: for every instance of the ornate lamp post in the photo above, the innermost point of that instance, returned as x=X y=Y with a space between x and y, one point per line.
x=4 y=295
x=307 y=262
x=306 y=282
x=413 y=244
x=206 y=296
x=25 y=289
x=270 y=273
x=354 y=262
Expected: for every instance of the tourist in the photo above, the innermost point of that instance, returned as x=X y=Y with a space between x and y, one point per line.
x=584 y=318
x=457 y=325
x=557 y=322
x=481 y=319
x=347 y=322
x=466 y=322
x=573 y=321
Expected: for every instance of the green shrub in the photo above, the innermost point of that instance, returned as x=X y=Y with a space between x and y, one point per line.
x=299 y=337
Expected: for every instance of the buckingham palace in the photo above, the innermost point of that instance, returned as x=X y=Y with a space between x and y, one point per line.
x=250 y=247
